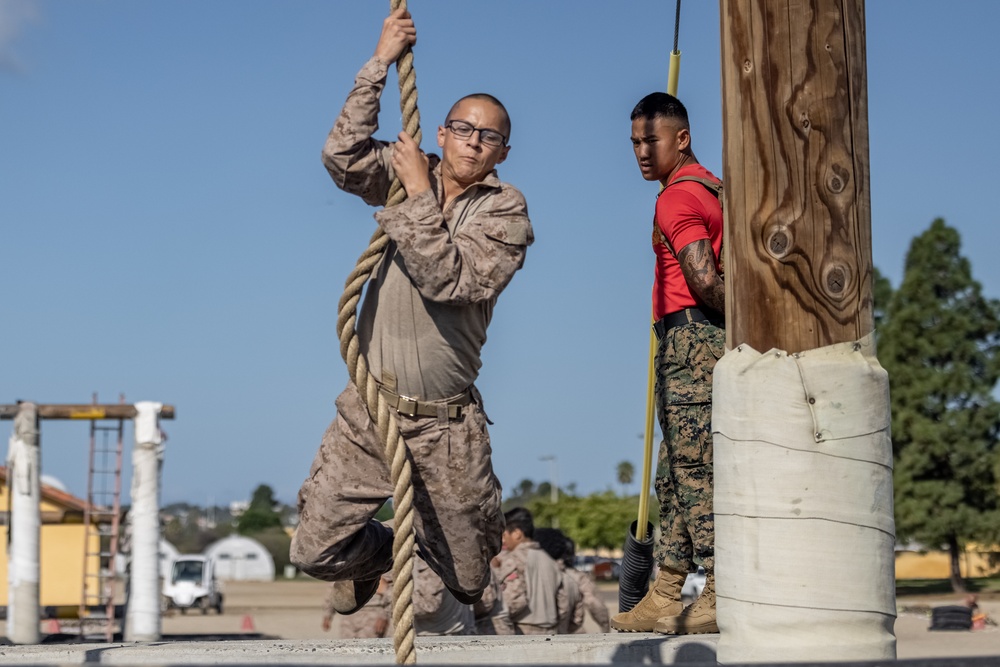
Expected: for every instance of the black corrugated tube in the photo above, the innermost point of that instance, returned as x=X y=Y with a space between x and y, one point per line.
x=637 y=566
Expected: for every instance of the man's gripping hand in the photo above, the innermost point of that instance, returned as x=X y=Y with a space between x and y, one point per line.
x=410 y=165
x=398 y=32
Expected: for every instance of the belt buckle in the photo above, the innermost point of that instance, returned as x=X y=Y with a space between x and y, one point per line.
x=407 y=406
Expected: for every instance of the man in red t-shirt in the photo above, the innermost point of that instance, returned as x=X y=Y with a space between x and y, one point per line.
x=688 y=308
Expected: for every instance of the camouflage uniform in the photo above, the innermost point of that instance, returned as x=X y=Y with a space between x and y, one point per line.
x=598 y=610
x=685 y=361
x=569 y=603
x=420 y=330
x=362 y=623
x=491 y=612
x=529 y=582
x=436 y=612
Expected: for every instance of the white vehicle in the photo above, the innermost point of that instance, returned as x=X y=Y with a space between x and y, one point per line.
x=694 y=584
x=192 y=584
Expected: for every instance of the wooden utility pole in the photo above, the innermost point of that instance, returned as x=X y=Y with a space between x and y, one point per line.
x=795 y=160
x=803 y=459
x=84 y=411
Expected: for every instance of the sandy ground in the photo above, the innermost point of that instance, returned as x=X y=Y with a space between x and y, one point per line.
x=292 y=609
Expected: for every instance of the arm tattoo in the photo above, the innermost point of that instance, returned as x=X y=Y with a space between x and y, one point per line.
x=698 y=264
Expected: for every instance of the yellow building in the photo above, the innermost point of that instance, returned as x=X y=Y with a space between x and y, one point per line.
x=974 y=562
x=61 y=545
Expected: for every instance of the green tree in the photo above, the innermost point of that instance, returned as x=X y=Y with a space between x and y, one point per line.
x=625 y=472
x=261 y=514
x=599 y=520
x=278 y=543
x=881 y=297
x=188 y=528
x=941 y=347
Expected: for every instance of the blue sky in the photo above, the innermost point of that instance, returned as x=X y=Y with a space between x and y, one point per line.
x=170 y=233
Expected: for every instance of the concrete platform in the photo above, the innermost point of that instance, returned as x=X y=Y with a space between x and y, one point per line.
x=616 y=649
x=630 y=648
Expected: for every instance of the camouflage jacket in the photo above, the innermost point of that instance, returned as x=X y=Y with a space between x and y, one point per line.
x=424 y=318
x=530 y=583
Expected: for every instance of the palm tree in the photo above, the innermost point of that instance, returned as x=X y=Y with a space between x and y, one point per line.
x=625 y=474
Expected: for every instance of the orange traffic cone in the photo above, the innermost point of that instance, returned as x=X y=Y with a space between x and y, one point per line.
x=248 y=624
x=52 y=627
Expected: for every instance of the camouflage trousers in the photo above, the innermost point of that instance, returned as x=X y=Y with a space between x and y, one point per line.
x=685 y=360
x=458 y=521
x=362 y=624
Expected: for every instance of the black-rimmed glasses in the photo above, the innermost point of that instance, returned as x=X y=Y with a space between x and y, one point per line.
x=464 y=130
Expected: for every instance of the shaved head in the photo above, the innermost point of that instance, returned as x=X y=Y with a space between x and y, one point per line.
x=485 y=97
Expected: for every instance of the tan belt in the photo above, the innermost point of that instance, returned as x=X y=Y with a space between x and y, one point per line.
x=411 y=407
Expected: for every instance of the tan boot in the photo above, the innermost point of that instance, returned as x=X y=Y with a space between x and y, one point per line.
x=663 y=599
x=697 y=618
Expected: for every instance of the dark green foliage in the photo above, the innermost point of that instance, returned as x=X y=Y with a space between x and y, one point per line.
x=882 y=296
x=262 y=513
x=600 y=520
x=386 y=512
x=277 y=542
x=625 y=471
x=940 y=343
x=190 y=529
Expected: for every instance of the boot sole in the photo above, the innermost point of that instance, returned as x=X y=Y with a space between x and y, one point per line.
x=703 y=630
x=631 y=629
x=348 y=599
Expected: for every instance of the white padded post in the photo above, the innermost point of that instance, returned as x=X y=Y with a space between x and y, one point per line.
x=804 y=527
x=23 y=555
x=143 y=621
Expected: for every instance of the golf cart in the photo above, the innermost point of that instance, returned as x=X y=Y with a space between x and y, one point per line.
x=192 y=584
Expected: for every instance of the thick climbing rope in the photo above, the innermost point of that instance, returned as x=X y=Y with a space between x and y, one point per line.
x=403 y=550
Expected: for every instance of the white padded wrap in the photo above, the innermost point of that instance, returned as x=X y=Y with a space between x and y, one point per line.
x=24 y=525
x=804 y=526
x=147 y=423
x=144 y=621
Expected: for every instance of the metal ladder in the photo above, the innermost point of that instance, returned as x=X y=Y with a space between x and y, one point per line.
x=101 y=527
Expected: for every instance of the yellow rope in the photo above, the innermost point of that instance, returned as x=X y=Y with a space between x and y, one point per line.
x=395 y=449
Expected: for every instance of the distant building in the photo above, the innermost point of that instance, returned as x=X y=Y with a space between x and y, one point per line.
x=239 y=558
x=61 y=546
x=916 y=561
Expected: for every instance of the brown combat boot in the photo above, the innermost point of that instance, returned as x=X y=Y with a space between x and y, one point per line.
x=663 y=599
x=350 y=596
x=697 y=618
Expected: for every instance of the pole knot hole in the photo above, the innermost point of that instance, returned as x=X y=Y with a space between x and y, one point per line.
x=779 y=242
x=836 y=281
x=838 y=180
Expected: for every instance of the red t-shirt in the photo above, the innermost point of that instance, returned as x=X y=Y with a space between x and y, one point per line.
x=685 y=212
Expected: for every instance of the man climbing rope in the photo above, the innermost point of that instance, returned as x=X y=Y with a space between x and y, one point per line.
x=689 y=307
x=454 y=245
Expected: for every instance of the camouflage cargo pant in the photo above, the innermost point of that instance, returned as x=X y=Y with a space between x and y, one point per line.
x=685 y=361
x=362 y=624
x=456 y=496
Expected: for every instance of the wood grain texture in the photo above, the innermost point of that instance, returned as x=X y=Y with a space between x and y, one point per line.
x=795 y=162
x=84 y=411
